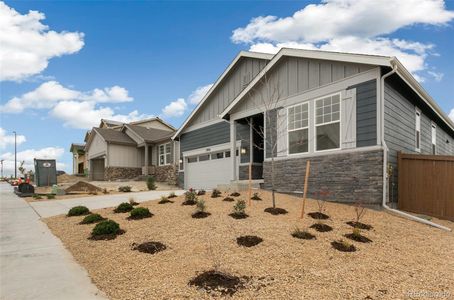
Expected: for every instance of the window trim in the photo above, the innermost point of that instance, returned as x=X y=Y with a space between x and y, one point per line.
x=302 y=128
x=166 y=163
x=328 y=123
x=417 y=129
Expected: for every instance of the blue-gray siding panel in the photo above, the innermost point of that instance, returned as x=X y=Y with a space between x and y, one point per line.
x=366 y=113
x=215 y=134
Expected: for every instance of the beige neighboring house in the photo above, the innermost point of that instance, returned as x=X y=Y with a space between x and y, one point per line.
x=124 y=151
x=79 y=159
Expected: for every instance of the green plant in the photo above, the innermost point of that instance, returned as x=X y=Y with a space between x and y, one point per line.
x=50 y=196
x=190 y=196
x=124 y=188
x=78 y=211
x=123 y=207
x=201 y=192
x=140 y=213
x=37 y=196
x=215 y=193
x=151 y=185
x=164 y=200
x=302 y=234
x=106 y=227
x=256 y=196
x=92 y=218
x=356 y=232
x=239 y=207
x=172 y=195
x=200 y=205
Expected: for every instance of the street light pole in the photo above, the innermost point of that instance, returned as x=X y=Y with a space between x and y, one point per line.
x=15 y=155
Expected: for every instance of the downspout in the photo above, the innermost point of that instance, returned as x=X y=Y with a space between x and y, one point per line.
x=385 y=157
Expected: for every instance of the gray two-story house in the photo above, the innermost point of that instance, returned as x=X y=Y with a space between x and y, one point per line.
x=349 y=114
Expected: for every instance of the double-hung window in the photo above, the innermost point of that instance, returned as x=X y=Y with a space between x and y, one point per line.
x=434 y=139
x=298 y=128
x=418 y=130
x=164 y=154
x=327 y=123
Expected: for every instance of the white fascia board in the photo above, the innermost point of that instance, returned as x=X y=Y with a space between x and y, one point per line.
x=418 y=89
x=218 y=81
x=311 y=54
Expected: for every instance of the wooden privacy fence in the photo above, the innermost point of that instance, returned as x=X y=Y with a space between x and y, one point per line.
x=426 y=184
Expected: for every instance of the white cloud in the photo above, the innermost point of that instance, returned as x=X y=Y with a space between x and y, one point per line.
x=85 y=114
x=451 y=114
x=356 y=26
x=175 y=108
x=199 y=93
x=28 y=155
x=6 y=140
x=48 y=94
x=28 y=45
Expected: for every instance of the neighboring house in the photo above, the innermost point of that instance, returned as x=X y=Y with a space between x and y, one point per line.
x=348 y=114
x=130 y=150
x=79 y=159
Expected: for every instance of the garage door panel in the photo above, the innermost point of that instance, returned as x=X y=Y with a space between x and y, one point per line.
x=208 y=174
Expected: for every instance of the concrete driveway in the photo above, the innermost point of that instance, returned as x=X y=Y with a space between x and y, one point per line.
x=33 y=263
x=57 y=207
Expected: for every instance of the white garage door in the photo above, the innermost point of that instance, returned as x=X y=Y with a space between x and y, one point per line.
x=206 y=171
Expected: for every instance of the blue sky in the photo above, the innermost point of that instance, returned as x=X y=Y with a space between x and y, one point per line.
x=157 y=53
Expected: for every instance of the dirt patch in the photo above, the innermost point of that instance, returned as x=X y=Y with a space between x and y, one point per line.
x=218 y=282
x=321 y=227
x=304 y=235
x=83 y=186
x=106 y=237
x=276 y=211
x=149 y=247
x=318 y=216
x=343 y=246
x=359 y=225
x=249 y=240
x=164 y=201
x=235 y=194
x=239 y=216
x=189 y=202
x=200 y=215
x=358 y=238
x=228 y=199
x=66 y=178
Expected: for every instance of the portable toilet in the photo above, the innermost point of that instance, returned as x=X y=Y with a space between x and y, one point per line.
x=45 y=172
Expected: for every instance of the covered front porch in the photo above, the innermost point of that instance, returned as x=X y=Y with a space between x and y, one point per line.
x=158 y=161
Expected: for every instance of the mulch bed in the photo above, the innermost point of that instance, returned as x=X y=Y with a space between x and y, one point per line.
x=358 y=237
x=248 y=240
x=172 y=196
x=235 y=194
x=189 y=202
x=106 y=237
x=304 y=235
x=338 y=245
x=321 y=227
x=139 y=217
x=228 y=199
x=200 y=215
x=239 y=216
x=165 y=201
x=318 y=216
x=276 y=211
x=134 y=203
x=359 y=225
x=149 y=247
x=218 y=282
x=256 y=198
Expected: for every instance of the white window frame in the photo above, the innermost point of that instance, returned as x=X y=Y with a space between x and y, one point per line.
x=301 y=128
x=433 y=128
x=328 y=123
x=164 y=154
x=417 y=129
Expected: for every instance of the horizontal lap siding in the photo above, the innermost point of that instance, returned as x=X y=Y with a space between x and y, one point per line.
x=366 y=113
x=215 y=134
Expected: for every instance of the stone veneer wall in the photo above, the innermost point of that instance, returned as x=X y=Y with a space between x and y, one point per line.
x=257 y=172
x=349 y=177
x=113 y=173
x=165 y=174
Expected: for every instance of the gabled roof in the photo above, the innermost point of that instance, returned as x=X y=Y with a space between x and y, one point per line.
x=219 y=80
x=153 y=119
x=384 y=61
x=150 y=135
x=77 y=147
x=110 y=123
x=114 y=136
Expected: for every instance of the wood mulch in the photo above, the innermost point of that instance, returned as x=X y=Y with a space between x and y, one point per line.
x=404 y=256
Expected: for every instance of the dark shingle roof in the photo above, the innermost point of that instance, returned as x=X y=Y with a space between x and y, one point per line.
x=150 y=134
x=77 y=147
x=115 y=136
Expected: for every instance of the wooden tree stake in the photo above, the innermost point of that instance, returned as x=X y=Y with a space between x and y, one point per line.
x=308 y=166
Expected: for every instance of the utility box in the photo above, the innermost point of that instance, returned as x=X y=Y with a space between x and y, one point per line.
x=45 y=172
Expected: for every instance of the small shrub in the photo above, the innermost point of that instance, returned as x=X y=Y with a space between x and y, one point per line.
x=132 y=201
x=343 y=246
x=215 y=193
x=50 y=196
x=140 y=213
x=200 y=210
x=190 y=197
x=302 y=234
x=201 y=192
x=357 y=236
x=93 y=218
x=228 y=199
x=256 y=196
x=78 y=211
x=37 y=197
x=200 y=205
x=123 y=208
x=239 y=207
x=151 y=185
x=107 y=227
x=124 y=188
x=164 y=200
x=172 y=195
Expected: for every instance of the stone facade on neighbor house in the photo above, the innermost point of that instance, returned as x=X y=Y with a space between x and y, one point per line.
x=126 y=151
x=328 y=109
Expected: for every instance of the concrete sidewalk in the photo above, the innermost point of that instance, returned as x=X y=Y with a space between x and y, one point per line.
x=57 y=207
x=33 y=263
